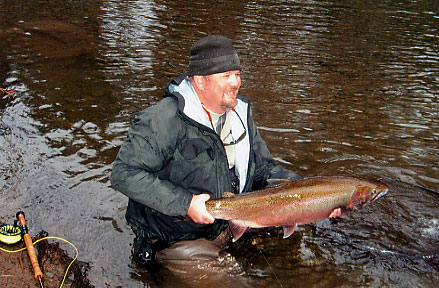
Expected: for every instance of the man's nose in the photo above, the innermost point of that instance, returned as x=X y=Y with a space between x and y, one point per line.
x=234 y=80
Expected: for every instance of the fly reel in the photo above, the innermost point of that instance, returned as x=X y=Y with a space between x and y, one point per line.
x=10 y=234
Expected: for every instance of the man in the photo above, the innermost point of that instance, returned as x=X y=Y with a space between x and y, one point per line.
x=197 y=143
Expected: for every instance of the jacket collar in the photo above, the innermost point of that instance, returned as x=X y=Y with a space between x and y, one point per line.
x=189 y=103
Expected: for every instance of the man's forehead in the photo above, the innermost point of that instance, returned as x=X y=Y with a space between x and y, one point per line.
x=228 y=72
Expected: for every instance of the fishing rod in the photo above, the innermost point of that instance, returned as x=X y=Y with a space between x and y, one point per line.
x=30 y=247
x=12 y=234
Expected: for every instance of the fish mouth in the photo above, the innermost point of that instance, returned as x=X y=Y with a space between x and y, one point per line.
x=379 y=195
x=382 y=192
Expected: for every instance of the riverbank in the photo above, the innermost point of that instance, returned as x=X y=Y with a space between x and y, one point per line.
x=16 y=269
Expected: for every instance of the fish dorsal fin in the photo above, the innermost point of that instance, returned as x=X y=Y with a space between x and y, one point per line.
x=288 y=230
x=273 y=183
x=237 y=230
x=228 y=194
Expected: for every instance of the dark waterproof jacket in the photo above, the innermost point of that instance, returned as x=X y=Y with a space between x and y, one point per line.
x=170 y=154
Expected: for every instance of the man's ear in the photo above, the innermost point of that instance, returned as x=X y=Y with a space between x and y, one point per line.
x=200 y=81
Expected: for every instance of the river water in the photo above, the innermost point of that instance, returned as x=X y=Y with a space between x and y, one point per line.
x=338 y=88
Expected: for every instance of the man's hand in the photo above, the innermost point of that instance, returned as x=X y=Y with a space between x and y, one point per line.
x=197 y=210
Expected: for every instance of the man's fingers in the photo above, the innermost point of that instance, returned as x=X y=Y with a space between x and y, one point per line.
x=206 y=217
x=197 y=210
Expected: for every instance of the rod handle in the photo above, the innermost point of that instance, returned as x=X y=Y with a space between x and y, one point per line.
x=30 y=247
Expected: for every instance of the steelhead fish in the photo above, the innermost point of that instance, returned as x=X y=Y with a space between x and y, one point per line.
x=294 y=202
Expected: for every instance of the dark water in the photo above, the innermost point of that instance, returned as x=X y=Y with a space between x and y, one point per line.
x=338 y=87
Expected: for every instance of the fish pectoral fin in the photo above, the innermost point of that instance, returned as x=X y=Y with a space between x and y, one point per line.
x=237 y=230
x=288 y=230
x=335 y=213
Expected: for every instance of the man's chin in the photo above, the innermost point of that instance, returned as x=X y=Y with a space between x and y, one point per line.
x=229 y=106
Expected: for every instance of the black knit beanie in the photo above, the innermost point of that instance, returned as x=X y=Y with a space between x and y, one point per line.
x=213 y=54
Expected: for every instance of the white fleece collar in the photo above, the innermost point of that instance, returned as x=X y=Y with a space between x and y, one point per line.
x=192 y=104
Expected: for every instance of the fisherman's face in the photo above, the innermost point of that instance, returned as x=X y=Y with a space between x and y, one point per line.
x=222 y=89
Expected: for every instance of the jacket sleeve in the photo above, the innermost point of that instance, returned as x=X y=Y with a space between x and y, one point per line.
x=266 y=167
x=150 y=144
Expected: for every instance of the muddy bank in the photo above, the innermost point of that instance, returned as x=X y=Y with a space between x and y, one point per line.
x=16 y=269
